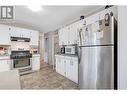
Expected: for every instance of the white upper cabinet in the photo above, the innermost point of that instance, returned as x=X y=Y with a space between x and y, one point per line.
x=25 y=33
x=63 y=36
x=34 y=38
x=69 y=34
x=61 y=40
x=19 y=32
x=4 y=35
x=73 y=37
x=66 y=35
x=15 y=32
x=9 y=31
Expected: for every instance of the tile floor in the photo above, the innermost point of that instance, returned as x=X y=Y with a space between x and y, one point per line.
x=46 y=78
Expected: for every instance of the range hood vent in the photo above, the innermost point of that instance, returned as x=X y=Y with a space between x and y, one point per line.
x=20 y=39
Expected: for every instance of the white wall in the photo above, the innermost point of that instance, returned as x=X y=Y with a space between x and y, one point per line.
x=41 y=46
x=122 y=47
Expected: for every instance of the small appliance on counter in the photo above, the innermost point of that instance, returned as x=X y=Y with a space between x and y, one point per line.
x=71 y=50
x=34 y=49
x=63 y=50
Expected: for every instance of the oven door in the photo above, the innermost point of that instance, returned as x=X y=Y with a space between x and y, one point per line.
x=21 y=63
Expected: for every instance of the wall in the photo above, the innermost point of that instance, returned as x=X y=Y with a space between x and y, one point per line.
x=41 y=47
x=122 y=47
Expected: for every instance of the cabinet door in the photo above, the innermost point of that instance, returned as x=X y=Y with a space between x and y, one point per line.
x=4 y=65
x=34 y=38
x=65 y=35
x=15 y=31
x=63 y=68
x=4 y=35
x=70 y=35
x=61 y=41
x=26 y=33
x=58 y=64
x=74 y=70
x=68 y=70
x=73 y=34
x=12 y=31
x=36 y=63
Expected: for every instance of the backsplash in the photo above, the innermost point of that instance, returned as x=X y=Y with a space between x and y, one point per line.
x=20 y=45
x=4 y=50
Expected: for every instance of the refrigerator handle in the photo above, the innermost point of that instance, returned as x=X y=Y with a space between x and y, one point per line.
x=79 y=54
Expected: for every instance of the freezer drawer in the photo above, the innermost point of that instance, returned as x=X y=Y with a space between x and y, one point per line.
x=96 y=68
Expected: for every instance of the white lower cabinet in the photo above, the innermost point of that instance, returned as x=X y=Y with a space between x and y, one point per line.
x=60 y=66
x=36 y=63
x=68 y=67
x=4 y=65
x=74 y=70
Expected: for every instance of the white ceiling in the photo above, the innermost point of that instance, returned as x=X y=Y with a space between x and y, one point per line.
x=51 y=17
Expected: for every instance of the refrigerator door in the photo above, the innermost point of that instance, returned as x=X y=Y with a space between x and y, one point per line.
x=88 y=68
x=98 y=33
x=105 y=68
x=96 y=67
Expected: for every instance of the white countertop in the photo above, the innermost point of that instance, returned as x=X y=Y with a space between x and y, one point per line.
x=9 y=80
x=69 y=55
x=4 y=57
x=36 y=55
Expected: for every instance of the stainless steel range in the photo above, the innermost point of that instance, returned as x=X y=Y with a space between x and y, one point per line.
x=21 y=60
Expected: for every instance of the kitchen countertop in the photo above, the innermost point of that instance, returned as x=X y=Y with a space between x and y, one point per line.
x=71 y=55
x=9 y=80
x=36 y=54
x=4 y=57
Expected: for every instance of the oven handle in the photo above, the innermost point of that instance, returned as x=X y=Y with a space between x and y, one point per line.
x=31 y=62
x=11 y=64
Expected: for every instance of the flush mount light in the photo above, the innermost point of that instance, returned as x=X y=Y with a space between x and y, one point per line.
x=35 y=8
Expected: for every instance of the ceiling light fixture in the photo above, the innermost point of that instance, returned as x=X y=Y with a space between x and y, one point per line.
x=35 y=8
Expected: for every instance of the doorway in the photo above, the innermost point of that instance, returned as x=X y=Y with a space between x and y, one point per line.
x=46 y=53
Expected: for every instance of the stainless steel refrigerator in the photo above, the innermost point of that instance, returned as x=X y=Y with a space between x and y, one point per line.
x=96 y=54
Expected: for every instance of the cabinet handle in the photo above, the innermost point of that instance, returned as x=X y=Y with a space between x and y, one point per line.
x=76 y=41
x=71 y=63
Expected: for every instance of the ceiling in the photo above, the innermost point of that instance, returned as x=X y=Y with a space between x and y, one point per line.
x=51 y=17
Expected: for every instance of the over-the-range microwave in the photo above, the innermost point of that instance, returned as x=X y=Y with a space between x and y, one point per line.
x=70 y=50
